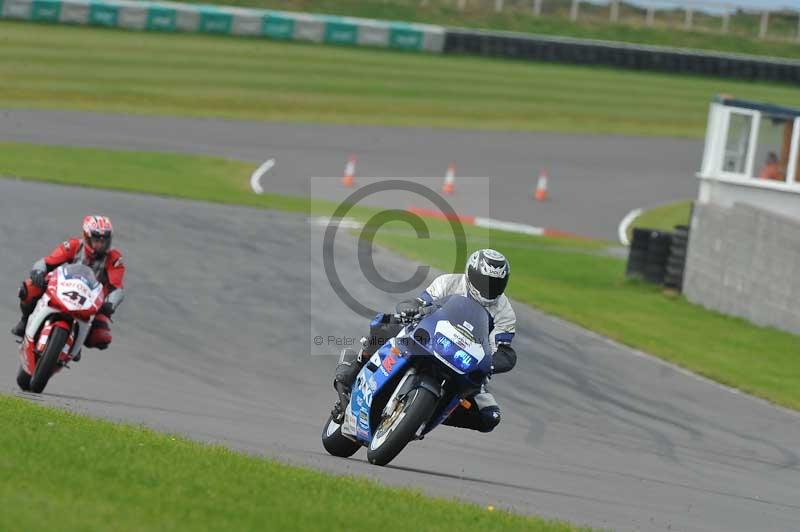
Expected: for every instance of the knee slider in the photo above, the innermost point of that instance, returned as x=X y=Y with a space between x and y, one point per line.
x=489 y=411
x=100 y=335
x=490 y=418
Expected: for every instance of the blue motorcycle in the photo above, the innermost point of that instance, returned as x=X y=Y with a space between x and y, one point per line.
x=414 y=382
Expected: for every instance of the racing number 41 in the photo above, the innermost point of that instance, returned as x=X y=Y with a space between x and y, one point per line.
x=75 y=296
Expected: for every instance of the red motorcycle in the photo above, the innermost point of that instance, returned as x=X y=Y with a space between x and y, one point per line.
x=59 y=324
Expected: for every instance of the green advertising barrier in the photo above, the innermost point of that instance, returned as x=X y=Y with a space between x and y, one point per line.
x=340 y=32
x=160 y=19
x=277 y=26
x=103 y=14
x=281 y=25
x=406 y=38
x=45 y=10
x=213 y=21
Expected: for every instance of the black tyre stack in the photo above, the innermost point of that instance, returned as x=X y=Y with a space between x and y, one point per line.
x=637 y=256
x=659 y=256
x=676 y=262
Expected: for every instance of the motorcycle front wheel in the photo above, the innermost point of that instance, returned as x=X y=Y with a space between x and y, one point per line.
x=47 y=363
x=397 y=429
x=23 y=380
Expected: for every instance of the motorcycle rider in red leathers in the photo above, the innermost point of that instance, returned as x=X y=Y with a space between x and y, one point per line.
x=93 y=250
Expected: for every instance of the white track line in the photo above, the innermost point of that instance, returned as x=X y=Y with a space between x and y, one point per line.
x=343 y=223
x=255 y=179
x=513 y=227
x=622 y=230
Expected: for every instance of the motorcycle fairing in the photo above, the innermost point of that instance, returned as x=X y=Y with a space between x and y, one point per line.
x=459 y=319
x=465 y=324
x=45 y=316
x=387 y=362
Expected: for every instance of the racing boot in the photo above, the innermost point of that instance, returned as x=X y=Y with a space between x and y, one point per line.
x=480 y=412
x=350 y=363
x=19 y=328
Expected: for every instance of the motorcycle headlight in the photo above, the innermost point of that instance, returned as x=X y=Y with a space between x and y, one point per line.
x=452 y=353
x=463 y=360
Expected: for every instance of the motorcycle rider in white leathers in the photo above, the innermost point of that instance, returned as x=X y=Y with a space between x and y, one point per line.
x=485 y=279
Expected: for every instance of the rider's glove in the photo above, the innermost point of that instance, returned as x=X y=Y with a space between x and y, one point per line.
x=37 y=279
x=504 y=359
x=107 y=309
x=407 y=310
x=425 y=310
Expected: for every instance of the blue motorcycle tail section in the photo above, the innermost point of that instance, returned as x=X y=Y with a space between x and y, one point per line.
x=370 y=382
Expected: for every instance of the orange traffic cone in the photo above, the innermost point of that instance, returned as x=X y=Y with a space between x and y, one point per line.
x=450 y=180
x=541 y=187
x=350 y=172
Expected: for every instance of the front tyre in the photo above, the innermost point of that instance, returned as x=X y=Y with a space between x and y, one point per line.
x=49 y=360
x=337 y=443
x=23 y=380
x=398 y=429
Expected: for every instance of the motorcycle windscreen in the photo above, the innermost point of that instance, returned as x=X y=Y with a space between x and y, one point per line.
x=77 y=291
x=80 y=272
x=457 y=333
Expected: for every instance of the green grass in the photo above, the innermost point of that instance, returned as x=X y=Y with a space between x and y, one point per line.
x=570 y=278
x=593 y=22
x=168 y=174
x=575 y=282
x=664 y=217
x=69 y=473
x=61 y=67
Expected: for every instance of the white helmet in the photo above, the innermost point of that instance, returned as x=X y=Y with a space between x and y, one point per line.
x=487 y=275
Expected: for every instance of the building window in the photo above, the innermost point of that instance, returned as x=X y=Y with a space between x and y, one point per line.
x=772 y=148
x=737 y=143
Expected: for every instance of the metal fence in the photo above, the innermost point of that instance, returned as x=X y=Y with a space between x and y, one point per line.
x=699 y=15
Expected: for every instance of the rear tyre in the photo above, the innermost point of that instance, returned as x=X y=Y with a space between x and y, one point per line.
x=337 y=443
x=397 y=430
x=23 y=380
x=49 y=360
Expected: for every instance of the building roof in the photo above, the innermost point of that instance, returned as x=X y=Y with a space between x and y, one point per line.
x=774 y=110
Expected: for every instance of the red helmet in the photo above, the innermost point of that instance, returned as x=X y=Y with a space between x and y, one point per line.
x=97 y=233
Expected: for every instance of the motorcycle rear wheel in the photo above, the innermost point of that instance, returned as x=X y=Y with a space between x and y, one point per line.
x=337 y=443
x=49 y=360
x=396 y=431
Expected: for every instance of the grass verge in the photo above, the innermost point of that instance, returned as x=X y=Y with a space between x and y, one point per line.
x=113 y=477
x=572 y=279
x=92 y=69
x=167 y=174
x=664 y=217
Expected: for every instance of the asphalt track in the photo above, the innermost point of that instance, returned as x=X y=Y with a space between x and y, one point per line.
x=213 y=342
x=594 y=180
